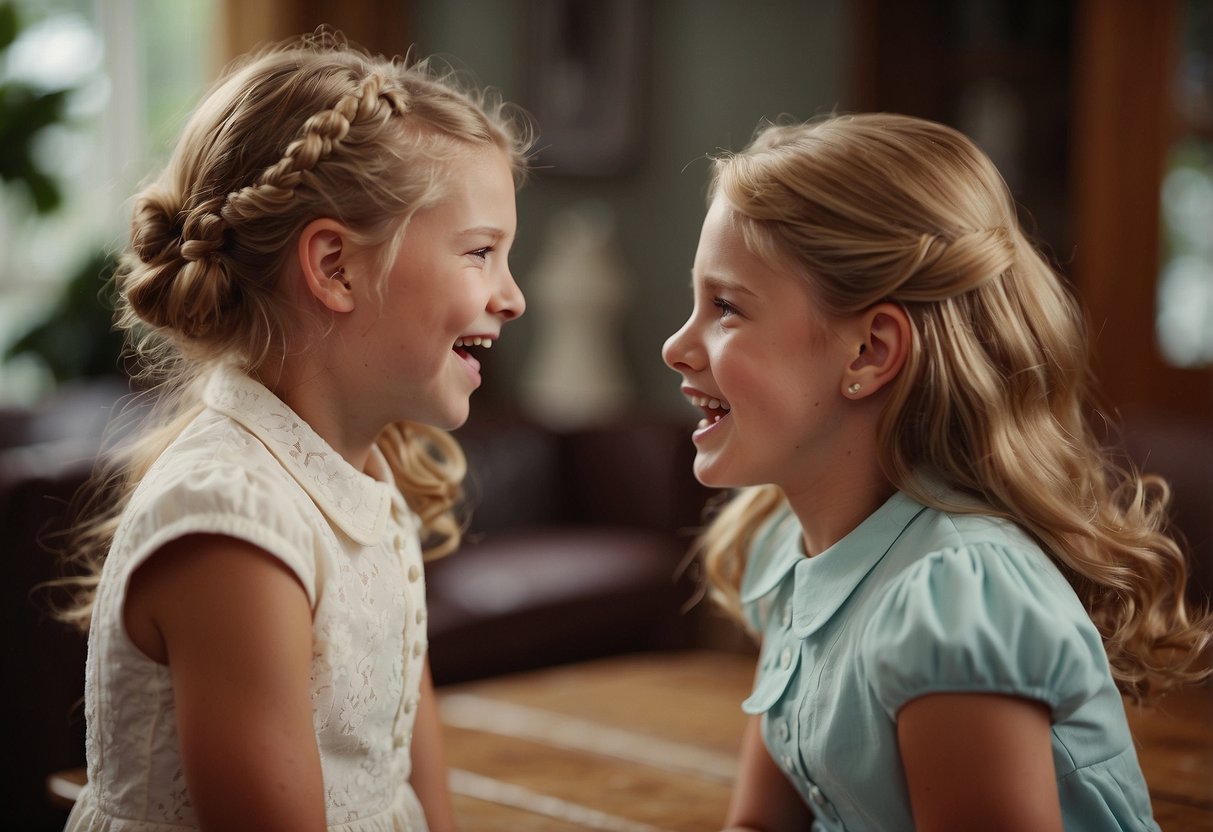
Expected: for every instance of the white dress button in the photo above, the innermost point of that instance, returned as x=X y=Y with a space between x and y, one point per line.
x=418 y=649
x=785 y=658
x=787 y=763
x=786 y=618
x=816 y=796
x=414 y=574
x=420 y=616
x=783 y=731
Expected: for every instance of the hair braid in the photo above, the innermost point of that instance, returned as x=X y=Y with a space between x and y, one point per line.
x=319 y=138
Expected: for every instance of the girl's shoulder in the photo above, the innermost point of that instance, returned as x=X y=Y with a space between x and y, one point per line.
x=217 y=478
x=213 y=458
x=980 y=607
x=942 y=549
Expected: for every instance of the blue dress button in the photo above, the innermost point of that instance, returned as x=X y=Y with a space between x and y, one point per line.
x=823 y=806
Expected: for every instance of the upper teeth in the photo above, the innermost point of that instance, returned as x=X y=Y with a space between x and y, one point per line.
x=712 y=404
x=487 y=343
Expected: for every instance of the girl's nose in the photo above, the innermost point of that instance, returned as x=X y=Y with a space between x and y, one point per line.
x=508 y=301
x=679 y=351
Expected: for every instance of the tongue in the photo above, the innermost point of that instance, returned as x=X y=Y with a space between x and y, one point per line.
x=468 y=357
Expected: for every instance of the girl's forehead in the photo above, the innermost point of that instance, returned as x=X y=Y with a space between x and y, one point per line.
x=474 y=190
x=721 y=239
x=724 y=250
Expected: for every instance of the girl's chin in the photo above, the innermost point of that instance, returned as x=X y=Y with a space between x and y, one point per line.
x=711 y=476
x=712 y=472
x=456 y=420
x=451 y=416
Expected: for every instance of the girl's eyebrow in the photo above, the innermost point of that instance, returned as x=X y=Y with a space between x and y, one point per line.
x=484 y=230
x=717 y=284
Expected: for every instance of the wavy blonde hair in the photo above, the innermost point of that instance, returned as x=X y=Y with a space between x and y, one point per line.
x=996 y=393
x=309 y=128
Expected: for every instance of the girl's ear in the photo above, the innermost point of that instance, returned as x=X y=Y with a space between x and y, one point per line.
x=883 y=346
x=323 y=252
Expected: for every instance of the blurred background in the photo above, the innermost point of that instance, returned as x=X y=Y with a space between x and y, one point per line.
x=1098 y=112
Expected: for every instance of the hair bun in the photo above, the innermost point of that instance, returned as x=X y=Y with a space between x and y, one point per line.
x=155 y=229
x=201 y=293
x=203 y=233
x=181 y=281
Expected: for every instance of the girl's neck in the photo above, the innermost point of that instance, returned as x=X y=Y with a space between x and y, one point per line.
x=833 y=505
x=318 y=397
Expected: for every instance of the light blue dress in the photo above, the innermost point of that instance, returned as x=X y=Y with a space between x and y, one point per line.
x=912 y=602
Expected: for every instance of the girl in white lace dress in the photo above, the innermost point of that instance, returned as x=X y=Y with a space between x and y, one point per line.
x=306 y=283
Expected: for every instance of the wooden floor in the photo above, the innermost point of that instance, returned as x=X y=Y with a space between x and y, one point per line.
x=1175 y=746
x=645 y=743
x=648 y=743
x=639 y=743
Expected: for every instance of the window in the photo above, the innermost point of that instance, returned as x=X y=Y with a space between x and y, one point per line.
x=1185 y=288
x=134 y=68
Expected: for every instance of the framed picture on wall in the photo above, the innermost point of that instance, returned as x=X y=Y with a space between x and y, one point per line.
x=587 y=75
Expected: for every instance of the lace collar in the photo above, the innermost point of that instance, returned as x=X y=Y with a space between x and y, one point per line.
x=355 y=502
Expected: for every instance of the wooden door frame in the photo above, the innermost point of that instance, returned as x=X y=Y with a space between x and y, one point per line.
x=381 y=26
x=1125 y=124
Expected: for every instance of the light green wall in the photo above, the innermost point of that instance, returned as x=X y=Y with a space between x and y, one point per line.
x=717 y=68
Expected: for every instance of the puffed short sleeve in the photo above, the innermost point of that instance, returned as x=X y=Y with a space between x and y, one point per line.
x=256 y=505
x=983 y=618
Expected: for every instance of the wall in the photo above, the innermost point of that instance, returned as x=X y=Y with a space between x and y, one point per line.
x=716 y=68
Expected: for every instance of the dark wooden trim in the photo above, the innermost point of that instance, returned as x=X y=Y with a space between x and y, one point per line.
x=1124 y=124
x=379 y=25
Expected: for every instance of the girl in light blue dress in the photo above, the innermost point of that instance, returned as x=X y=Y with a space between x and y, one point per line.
x=952 y=582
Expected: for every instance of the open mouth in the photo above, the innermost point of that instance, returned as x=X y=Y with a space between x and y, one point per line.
x=463 y=347
x=713 y=409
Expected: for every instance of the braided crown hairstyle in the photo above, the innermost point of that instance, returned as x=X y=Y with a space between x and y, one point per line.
x=309 y=128
x=995 y=395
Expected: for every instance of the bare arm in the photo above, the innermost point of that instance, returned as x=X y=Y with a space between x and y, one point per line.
x=763 y=799
x=429 y=778
x=235 y=628
x=979 y=761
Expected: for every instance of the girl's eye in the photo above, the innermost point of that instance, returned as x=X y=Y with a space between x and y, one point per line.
x=481 y=253
x=726 y=308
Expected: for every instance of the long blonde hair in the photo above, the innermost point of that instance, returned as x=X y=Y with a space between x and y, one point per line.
x=996 y=394
x=309 y=128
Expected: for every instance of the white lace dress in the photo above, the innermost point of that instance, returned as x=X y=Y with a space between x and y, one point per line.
x=248 y=467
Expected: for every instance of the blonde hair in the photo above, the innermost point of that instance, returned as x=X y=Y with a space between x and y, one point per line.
x=995 y=395
x=309 y=128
